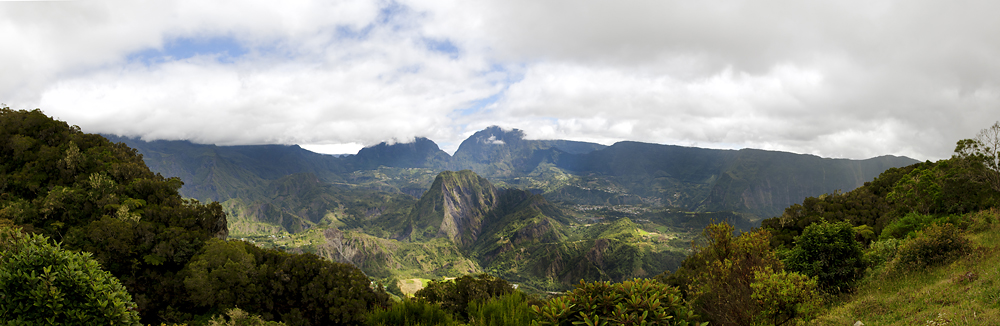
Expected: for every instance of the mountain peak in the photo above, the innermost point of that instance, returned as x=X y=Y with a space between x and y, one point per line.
x=422 y=152
x=495 y=135
x=454 y=207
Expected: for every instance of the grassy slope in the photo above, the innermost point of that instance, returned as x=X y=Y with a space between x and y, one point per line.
x=941 y=295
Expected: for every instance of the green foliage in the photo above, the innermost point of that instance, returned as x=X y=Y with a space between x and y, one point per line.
x=720 y=273
x=908 y=225
x=633 y=302
x=42 y=283
x=410 y=313
x=238 y=317
x=508 y=309
x=785 y=297
x=299 y=289
x=983 y=150
x=456 y=295
x=964 y=291
x=901 y=200
x=934 y=245
x=728 y=277
x=828 y=251
x=881 y=252
x=99 y=197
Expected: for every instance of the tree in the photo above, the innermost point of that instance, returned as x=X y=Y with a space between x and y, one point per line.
x=99 y=197
x=984 y=149
x=829 y=252
x=298 y=289
x=729 y=277
x=41 y=283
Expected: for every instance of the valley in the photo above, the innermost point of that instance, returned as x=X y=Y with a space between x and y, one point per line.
x=540 y=213
x=308 y=239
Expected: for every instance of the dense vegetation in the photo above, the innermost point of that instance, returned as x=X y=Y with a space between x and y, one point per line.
x=39 y=281
x=98 y=238
x=98 y=197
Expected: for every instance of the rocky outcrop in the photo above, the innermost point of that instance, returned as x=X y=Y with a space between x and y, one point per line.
x=454 y=208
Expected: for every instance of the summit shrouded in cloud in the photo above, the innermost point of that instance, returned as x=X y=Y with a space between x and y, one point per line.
x=851 y=79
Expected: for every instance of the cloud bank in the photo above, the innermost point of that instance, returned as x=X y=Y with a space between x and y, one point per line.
x=851 y=79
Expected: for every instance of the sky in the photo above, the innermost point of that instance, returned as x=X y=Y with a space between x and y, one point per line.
x=841 y=79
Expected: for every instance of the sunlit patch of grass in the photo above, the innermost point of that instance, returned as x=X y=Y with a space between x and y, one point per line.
x=964 y=292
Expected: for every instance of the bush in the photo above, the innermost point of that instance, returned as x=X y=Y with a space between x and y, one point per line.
x=935 y=245
x=410 y=313
x=829 y=252
x=784 y=297
x=719 y=275
x=455 y=295
x=908 y=225
x=40 y=283
x=983 y=220
x=238 y=317
x=881 y=251
x=509 y=309
x=635 y=302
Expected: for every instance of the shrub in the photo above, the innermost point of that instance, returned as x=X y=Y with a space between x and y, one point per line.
x=829 y=252
x=718 y=275
x=238 y=317
x=40 y=283
x=455 y=295
x=881 y=251
x=983 y=220
x=908 y=225
x=508 y=309
x=410 y=313
x=634 y=302
x=935 y=245
x=784 y=297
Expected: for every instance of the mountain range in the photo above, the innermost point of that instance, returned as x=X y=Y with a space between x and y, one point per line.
x=541 y=213
x=754 y=183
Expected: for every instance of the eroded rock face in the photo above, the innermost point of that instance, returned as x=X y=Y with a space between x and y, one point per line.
x=454 y=207
x=465 y=206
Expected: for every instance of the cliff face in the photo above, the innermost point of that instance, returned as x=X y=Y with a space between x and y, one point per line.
x=454 y=207
x=763 y=183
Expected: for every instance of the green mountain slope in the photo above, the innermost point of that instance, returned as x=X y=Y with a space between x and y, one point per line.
x=754 y=183
x=749 y=181
x=454 y=208
x=764 y=182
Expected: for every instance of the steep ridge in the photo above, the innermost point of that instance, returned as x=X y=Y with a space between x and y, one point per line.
x=454 y=207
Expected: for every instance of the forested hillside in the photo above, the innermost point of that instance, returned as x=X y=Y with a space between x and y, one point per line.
x=170 y=253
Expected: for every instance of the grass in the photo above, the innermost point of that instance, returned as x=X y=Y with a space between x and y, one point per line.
x=963 y=292
x=411 y=286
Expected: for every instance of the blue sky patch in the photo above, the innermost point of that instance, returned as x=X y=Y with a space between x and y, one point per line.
x=442 y=46
x=478 y=105
x=225 y=49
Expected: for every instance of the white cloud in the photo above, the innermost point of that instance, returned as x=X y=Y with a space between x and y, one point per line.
x=833 y=78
